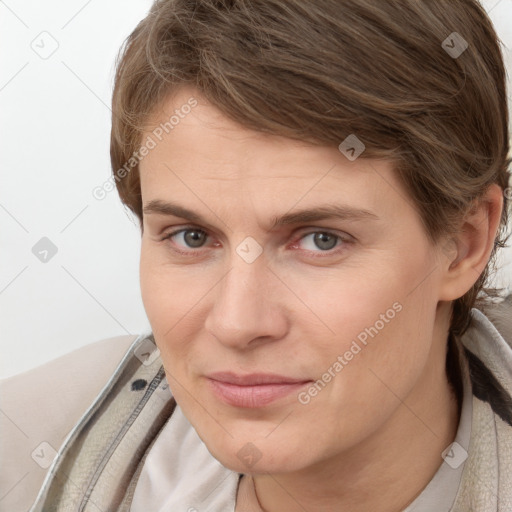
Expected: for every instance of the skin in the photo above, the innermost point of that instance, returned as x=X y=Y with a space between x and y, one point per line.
x=372 y=438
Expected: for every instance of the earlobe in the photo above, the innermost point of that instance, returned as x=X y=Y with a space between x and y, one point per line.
x=467 y=253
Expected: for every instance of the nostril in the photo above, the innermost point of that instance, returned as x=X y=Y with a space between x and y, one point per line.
x=139 y=384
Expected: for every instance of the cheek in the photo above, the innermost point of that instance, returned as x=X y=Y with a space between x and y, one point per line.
x=380 y=332
x=168 y=292
x=154 y=292
x=168 y=298
x=350 y=303
x=166 y=311
x=355 y=394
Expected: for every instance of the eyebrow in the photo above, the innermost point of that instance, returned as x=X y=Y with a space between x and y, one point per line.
x=324 y=212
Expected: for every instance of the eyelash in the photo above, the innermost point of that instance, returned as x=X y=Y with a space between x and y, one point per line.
x=335 y=250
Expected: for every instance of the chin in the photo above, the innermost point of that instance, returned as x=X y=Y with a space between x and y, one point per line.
x=244 y=454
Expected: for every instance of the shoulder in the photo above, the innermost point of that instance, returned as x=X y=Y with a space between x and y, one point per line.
x=500 y=315
x=40 y=407
x=491 y=326
x=488 y=344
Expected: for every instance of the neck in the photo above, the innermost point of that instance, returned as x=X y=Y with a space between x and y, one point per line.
x=387 y=471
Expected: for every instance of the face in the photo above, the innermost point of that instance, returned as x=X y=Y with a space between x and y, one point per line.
x=288 y=288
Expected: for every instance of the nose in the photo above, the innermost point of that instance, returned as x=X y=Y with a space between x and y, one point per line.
x=246 y=311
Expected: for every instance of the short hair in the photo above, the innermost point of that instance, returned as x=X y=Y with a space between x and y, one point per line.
x=420 y=82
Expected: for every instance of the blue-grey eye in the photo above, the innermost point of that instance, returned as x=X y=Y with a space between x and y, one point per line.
x=322 y=240
x=192 y=237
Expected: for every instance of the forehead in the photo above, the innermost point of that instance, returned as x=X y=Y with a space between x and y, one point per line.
x=199 y=153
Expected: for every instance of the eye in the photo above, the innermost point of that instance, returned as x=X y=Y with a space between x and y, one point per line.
x=192 y=238
x=321 y=240
x=322 y=243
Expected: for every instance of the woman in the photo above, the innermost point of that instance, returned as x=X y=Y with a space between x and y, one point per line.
x=321 y=188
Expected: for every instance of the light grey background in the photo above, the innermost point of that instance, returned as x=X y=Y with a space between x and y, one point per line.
x=55 y=149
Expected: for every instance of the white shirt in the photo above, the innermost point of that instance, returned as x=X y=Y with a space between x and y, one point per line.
x=180 y=474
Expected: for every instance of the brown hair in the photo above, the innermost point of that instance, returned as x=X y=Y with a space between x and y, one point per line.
x=322 y=70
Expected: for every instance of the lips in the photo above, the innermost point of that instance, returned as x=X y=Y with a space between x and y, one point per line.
x=253 y=390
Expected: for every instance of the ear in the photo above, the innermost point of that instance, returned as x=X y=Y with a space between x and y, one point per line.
x=466 y=254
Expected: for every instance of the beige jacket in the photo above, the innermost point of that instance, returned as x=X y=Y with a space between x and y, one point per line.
x=32 y=404
x=33 y=424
